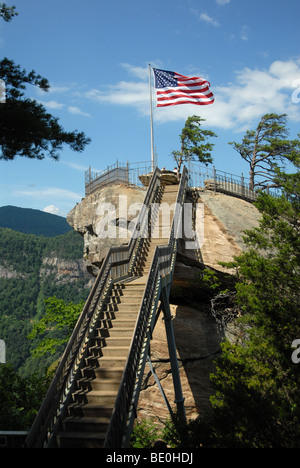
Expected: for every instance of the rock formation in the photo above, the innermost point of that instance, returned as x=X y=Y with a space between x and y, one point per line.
x=197 y=334
x=103 y=219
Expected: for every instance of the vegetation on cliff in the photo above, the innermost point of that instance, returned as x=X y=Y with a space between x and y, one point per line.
x=27 y=279
x=257 y=401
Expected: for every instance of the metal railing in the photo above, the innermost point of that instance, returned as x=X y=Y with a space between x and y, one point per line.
x=123 y=173
x=118 y=264
x=210 y=178
x=160 y=274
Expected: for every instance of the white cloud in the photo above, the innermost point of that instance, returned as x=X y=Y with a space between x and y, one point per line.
x=52 y=209
x=75 y=110
x=222 y=2
x=52 y=104
x=204 y=17
x=139 y=72
x=126 y=93
x=244 y=33
x=208 y=19
x=52 y=193
x=252 y=93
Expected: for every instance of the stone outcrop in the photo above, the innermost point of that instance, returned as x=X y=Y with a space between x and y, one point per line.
x=197 y=339
x=65 y=271
x=104 y=219
x=197 y=334
x=7 y=272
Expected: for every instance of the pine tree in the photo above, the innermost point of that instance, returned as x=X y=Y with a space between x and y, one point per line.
x=257 y=401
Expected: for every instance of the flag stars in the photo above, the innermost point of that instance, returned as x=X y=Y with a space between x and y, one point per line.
x=164 y=78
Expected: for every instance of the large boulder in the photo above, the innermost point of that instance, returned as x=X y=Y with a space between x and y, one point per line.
x=105 y=219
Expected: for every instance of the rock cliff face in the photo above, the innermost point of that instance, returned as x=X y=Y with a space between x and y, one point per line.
x=197 y=334
x=103 y=219
x=65 y=271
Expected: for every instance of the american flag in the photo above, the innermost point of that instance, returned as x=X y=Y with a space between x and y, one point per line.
x=172 y=89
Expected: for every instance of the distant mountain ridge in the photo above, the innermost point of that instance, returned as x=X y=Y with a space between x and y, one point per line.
x=30 y=221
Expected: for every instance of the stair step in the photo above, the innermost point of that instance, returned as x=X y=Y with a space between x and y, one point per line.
x=114 y=307
x=90 y=410
x=114 y=373
x=124 y=331
x=92 y=383
x=111 y=341
x=92 y=424
x=81 y=439
x=103 y=397
x=124 y=321
x=133 y=297
x=106 y=361
x=109 y=350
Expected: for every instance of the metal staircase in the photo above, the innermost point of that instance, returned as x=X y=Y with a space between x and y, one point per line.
x=92 y=400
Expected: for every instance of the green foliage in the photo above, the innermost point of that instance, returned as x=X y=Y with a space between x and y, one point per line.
x=58 y=316
x=26 y=129
x=20 y=398
x=32 y=221
x=7 y=12
x=144 y=434
x=173 y=434
x=257 y=401
x=267 y=149
x=194 y=144
x=23 y=294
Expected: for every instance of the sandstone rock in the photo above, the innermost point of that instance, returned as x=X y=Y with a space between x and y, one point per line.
x=105 y=219
x=197 y=334
x=65 y=271
x=167 y=178
x=198 y=340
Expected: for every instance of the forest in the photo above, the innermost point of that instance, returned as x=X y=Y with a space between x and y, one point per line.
x=24 y=289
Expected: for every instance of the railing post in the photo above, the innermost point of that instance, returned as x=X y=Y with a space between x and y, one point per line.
x=214 y=179
x=179 y=399
x=243 y=185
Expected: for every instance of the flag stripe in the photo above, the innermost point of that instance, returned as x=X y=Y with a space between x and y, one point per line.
x=173 y=88
x=202 y=103
x=168 y=91
x=180 y=95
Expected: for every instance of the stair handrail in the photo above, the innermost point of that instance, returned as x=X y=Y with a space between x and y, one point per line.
x=124 y=409
x=46 y=422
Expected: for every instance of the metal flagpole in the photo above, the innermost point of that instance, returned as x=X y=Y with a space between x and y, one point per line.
x=151 y=119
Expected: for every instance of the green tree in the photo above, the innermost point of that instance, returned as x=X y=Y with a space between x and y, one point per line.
x=194 y=144
x=20 y=398
x=257 y=402
x=59 y=316
x=266 y=149
x=26 y=129
x=7 y=13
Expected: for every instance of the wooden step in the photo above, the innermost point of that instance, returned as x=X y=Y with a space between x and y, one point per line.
x=92 y=383
x=81 y=440
x=90 y=410
x=124 y=331
x=103 y=373
x=86 y=424
x=105 y=361
x=111 y=341
x=103 y=397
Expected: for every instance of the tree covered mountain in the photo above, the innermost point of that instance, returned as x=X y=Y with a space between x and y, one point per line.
x=33 y=268
x=32 y=221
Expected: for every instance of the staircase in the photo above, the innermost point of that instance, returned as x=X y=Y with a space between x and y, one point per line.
x=93 y=401
x=101 y=387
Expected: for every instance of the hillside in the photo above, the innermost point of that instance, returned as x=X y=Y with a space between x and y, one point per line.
x=33 y=268
x=31 y=221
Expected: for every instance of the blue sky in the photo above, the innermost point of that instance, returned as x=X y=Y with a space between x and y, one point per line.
x=95 y=55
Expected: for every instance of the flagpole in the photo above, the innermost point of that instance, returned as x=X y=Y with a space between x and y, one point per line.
x=151 y=119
